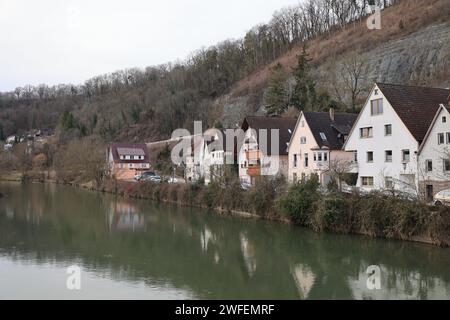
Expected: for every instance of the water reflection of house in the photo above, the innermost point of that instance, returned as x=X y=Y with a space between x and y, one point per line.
x=124 y=216
x=399 y=284
x=205 y=238
x=304 y=279
x=249 y=255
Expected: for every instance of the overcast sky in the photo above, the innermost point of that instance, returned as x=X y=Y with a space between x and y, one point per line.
x=54 y=41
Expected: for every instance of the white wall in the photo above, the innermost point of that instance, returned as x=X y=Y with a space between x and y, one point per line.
x=400 y=139
x=431 y=150
x=310 y=147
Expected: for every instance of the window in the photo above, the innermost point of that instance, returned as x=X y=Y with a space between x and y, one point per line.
x=315 y=156
x=389 y=182
x=367 y=181
x=303 y=140
x=388 y=157
x=306 y=160
x=406 y=156
x=446 y=165
x=388 y=130
x=325 y=156
x=440 y=138
x=130 y=165
x=294 y=177
x=376 y=107
x=448 y=137
x=366 y=132
x=370 y=156
x=128 y=157
x=302 y=124
x=444 y=119
x=122 y=157
x=295 y=161
x=429 y=165
x=319 y=156
x=323 y=136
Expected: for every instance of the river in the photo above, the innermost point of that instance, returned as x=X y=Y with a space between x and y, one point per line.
x=136 y=249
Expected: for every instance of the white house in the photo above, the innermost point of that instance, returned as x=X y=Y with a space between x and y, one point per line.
x=316 y=145
x=434 y=155
x=264 y=149
x=387 y=134
x=194 y=170
x=217 y=154
x=209 y=156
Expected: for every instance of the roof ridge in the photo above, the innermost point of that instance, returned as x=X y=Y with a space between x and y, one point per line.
x=410 y=86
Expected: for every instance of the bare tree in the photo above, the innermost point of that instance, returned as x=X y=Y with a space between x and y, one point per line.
x=339 y=170
x=352 y=80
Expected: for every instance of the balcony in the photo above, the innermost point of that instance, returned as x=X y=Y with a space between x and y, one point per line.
x=253 y=171
x=253 y=154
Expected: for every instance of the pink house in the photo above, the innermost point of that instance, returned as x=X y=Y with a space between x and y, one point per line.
x=125 y=160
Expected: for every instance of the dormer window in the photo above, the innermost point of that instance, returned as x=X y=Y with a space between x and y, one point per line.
x=323 y=136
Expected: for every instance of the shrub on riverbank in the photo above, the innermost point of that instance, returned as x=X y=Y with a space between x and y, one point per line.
x=376 y=214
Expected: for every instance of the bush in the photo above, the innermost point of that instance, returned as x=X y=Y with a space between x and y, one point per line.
x=299 y=202
x=261 y=197
x=332 y=215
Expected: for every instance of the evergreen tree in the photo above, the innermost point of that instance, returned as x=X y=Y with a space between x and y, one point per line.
x=304 y=95
x=276 y=98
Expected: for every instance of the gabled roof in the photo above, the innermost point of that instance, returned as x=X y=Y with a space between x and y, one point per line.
x=416 y=106
x=430 y=129
x=213 y=146
x=334 y=130
x=132 y=149
x=285 y=125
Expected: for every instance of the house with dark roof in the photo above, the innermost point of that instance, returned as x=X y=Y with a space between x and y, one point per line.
x=388 y=133
x=126 y=160
x=434 y=154
x=263 y=151
x=316 y=145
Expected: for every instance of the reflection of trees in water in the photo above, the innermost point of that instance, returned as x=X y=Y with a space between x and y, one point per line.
x=216 y=257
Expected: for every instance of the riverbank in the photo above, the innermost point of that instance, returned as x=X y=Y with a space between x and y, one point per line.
x=375 y=215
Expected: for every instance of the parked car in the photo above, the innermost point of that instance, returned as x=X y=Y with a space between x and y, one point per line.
x=144 y=176
x=442 y=197
x=155 y=178
x=245 y=185
x=172 y=180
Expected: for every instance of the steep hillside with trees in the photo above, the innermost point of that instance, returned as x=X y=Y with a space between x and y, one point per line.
x=238 y=77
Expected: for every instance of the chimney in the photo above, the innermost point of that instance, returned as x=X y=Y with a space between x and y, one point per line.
x=332 y=114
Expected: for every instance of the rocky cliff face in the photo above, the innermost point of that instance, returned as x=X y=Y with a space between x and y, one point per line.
x=422 y=58
x=419 y=58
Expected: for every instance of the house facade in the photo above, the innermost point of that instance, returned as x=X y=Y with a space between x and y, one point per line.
x=388 y=132
x=264 y=148
x=316 y=145
x=434 y=155
x=209 y=156
x=125 y=160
